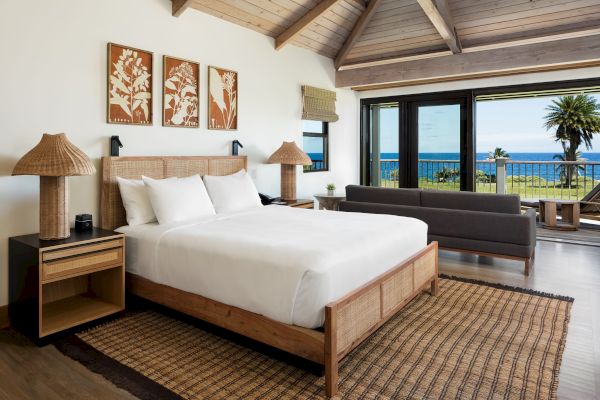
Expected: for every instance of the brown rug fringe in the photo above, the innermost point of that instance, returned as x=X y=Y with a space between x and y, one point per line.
x=508 y=287
x=120 y=375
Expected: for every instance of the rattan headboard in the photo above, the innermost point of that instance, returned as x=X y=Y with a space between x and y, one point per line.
x=111 y=206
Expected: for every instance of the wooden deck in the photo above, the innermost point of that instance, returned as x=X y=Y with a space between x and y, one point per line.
x=589 y=236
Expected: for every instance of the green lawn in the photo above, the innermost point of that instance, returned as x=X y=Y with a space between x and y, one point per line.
x=526 y=187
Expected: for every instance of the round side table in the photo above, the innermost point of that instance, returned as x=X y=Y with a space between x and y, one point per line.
x=328 y=202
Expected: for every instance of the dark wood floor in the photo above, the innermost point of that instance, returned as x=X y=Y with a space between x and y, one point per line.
x=28 y=372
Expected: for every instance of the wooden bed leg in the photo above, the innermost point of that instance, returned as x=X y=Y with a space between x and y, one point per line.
x=331 y=360
x=435 y=287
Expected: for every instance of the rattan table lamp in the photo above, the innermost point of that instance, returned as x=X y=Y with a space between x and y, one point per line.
x=289 y=155
x=53 y=159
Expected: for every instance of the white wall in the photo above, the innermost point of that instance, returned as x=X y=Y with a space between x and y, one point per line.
x=53 y=79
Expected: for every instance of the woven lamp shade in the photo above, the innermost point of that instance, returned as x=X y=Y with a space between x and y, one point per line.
x=289 y=155
x=54 y=155
x=53 y=159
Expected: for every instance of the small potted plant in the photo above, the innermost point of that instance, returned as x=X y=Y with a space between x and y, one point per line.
x=330 y=189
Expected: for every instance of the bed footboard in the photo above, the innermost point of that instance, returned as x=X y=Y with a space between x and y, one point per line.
x=351 y=319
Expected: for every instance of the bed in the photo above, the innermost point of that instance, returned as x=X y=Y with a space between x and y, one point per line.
x=328 y=271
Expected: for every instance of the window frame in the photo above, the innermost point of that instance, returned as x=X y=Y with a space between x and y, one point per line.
x=471 y=96
x=324 y=135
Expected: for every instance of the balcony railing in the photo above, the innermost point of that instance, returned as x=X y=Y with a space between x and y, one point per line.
x=566 y=180
x=317 y=165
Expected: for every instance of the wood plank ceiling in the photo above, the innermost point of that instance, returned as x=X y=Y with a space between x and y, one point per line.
x=360 y=34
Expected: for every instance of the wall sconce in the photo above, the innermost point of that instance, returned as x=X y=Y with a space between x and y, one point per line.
x=235 y=145
x=115 y=145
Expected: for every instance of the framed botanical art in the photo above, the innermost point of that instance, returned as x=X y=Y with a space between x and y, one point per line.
x=129 y=85
x=181 y=87
x=222 y=99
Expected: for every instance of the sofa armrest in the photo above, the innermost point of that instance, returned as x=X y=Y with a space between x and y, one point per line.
x=531 y=216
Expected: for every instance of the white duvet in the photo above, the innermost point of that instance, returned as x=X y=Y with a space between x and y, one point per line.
x=281 y=262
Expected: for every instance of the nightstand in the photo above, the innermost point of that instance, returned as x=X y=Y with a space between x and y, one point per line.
x=59 y=284
x=301 y=203
x=329 y=202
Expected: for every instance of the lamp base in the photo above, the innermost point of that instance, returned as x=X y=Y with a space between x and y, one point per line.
x=288 y=182
x=54 y=208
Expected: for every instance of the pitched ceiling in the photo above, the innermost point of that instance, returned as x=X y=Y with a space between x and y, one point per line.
x=324 y=35
x=363 y=33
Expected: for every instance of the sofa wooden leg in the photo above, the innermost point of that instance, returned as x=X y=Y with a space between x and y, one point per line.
x=528 y=262
x=435 y=287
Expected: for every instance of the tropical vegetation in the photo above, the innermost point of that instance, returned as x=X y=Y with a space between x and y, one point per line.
x=576 y=120
x=447 y=174
x=498 y=152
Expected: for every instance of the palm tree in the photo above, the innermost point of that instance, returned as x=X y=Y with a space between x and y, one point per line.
x=576 y=119
x=498 y=152
x=569 y=170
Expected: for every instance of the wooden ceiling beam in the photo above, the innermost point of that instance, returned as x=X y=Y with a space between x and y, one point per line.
x=360 y=3
x=179 y=6
x=538 y=57
x=473 y=49
x=358 y=29
x=438 y=13
x=297 y=27
x=532 y=40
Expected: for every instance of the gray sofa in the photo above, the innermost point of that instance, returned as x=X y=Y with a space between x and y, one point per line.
x=485 y=224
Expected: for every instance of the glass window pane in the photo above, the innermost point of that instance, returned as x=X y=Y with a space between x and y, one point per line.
x=312 y=126
x=384 y=145
x=314 y=147
x=439 y=147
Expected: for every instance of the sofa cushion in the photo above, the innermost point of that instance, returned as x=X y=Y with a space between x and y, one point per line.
x=483 y=226
x=508 y=249
x=499 y=203
x=370 y=194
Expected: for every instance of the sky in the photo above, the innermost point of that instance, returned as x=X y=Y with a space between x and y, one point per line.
x=516 y=125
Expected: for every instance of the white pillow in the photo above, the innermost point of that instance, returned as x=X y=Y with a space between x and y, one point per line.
x=232 y=192
x=138 y=209
x=175 y=200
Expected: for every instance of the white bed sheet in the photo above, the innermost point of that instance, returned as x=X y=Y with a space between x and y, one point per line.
x=281 y=262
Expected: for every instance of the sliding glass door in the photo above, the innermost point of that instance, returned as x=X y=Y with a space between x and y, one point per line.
x=383 y=144
x=437 y=132
x=416 y=142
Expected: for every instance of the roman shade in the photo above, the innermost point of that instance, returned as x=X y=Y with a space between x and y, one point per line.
x=318 y=104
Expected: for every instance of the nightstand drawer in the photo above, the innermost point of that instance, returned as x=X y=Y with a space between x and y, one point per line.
x=83 y=249
x=80 y=264
x=308 y=206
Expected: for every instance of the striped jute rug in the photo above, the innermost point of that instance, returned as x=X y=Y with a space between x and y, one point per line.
x=474 y=341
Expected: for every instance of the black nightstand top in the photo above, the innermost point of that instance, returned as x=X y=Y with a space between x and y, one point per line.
x=34 y=241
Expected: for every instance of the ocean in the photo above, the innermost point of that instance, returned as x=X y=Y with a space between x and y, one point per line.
x=480 y=156
x=548 y=172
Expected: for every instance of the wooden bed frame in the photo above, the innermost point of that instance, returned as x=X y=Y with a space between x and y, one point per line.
x=348 y=320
